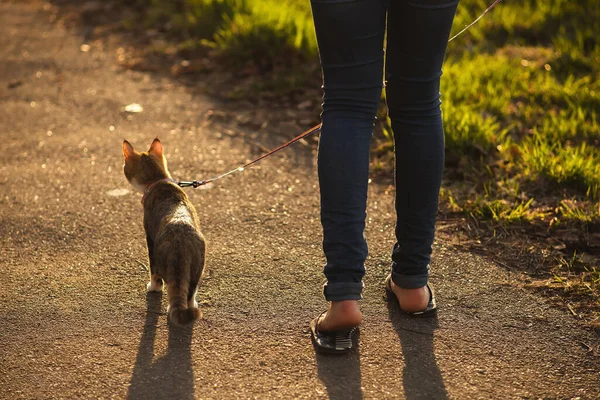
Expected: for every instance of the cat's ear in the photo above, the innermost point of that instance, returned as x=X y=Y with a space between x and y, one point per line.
x=156 y=148
x=128 y=150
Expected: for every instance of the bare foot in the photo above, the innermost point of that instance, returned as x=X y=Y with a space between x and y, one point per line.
x=411 y=300
x=341 y=315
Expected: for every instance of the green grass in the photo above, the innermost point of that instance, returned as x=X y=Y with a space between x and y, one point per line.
x=266 y=32
x=520 y=92
x=529 y=71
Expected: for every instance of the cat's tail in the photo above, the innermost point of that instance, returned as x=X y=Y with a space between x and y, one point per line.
x=181 y=312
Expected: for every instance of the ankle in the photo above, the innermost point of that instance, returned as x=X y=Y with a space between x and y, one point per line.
x=412 y=300
x=345 y=306
x=341 y=315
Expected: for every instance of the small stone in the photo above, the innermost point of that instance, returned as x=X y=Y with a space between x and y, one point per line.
x=133 y=108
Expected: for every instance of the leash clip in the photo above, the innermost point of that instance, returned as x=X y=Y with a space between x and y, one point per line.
x=193 y=184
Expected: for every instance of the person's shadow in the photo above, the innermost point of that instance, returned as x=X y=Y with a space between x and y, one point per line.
x=421 y=378
x=171 y=376
x=340 y=373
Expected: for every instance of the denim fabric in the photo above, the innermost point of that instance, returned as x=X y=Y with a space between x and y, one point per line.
x=350 y=35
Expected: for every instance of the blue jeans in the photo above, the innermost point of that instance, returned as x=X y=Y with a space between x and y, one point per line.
x=350 y=34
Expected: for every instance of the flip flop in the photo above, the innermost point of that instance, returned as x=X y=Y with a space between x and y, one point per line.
x=338 y=342
x=431 y=308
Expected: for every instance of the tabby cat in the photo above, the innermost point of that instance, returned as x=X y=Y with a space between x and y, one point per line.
x=176 y=247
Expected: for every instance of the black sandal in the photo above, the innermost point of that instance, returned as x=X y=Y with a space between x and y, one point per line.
x=338 y=342
x=431 y=308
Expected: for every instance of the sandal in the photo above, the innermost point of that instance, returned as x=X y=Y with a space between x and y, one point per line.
x=431 y=308
x=339 y=342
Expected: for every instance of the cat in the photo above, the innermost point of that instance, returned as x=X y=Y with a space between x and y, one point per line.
x=176 y=247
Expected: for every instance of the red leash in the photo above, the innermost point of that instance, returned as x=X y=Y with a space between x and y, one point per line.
x=304 y=134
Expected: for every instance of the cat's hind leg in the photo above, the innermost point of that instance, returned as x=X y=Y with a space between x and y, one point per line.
x=192 y=303
x=197 y=268
x=156 y=283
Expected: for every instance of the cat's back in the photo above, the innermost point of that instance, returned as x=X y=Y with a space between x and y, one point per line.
x=168 y=207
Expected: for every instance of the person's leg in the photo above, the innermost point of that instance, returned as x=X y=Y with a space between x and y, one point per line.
x=350 y=36
x=417 y=37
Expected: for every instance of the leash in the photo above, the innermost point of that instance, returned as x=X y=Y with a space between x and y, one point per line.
x=195 y=184
x=476 y=20
x=304 y=134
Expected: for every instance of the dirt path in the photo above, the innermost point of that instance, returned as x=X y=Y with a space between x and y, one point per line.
x=76 y=322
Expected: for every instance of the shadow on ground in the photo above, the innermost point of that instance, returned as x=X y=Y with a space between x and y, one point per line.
x=421 y=377
x=171 y=376
x=340 y=373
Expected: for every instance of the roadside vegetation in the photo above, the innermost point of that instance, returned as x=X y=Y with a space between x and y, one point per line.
x=521 y=108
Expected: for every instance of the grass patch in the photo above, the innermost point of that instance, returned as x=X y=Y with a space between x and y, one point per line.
x=266 y=33
x=522 y=87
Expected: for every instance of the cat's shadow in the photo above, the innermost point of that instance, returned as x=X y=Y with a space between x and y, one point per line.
x=170 y=376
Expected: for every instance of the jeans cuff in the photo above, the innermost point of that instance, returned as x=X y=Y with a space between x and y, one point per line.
x=410 y=281
x=343 y=291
